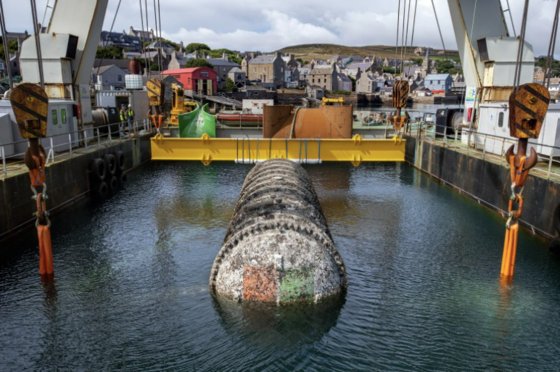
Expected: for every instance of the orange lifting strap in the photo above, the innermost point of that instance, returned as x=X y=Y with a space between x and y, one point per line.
x=35 y=161
x=528 y=104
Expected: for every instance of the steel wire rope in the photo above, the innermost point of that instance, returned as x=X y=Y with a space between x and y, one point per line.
x=413 y=23
x=147 y=30
x=159 y=19
x=511 y=18
x=143 y=38
x=37 y=42
x=438 y=26
x=106 y=40
x=397 y=41
x=473 y=18
x=159 y=49
x=551 y=46
x=519 y=60
x=402 y=38
x=5 y=45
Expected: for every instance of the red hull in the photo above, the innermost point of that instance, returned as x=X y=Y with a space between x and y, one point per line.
x=253 y=118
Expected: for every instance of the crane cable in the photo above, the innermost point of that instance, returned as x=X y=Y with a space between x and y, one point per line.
x=519 y=60
x=551 y=46
x=108 y=35
x=397 y=41
x=159 y=50
x=438 y=26
x=413 y=23
x=403 y=37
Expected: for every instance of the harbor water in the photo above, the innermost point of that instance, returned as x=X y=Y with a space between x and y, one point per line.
x=131 y=285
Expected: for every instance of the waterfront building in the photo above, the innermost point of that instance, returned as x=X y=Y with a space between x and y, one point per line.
x=108 y=77
x=199 y=80
x=366 y=84
x=324 y=76
x=268 y=68
x=438 y=83
x=222 y=66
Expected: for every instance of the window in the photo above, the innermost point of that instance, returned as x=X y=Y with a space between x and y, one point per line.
x=63 y=116
x=501 y=119
x=119 y=77
x=54 y=114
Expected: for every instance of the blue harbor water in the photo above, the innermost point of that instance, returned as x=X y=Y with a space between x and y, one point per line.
x=131 y=285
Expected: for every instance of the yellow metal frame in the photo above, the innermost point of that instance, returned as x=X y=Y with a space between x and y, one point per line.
x=251 y=150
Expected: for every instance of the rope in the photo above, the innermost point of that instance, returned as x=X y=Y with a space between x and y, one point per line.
x=37 y=42
x=403 y=36
x=510 y=18
x=110 y=31
x=142 y=38
x=438 y=27
x=517 y=75
x=414 y=23
x=157 y=38
x=397 y=41
x=551 y=46
x=148 y=30
x=473 y=18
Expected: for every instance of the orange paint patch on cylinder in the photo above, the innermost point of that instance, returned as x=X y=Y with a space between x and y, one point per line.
x=260 y=284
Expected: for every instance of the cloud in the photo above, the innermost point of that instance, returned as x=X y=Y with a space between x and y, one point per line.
x=282 y=30
x=272 y=24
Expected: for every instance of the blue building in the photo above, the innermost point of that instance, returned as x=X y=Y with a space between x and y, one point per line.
x=438 y=83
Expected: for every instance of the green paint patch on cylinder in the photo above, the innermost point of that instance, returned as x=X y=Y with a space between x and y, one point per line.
x=297 y=285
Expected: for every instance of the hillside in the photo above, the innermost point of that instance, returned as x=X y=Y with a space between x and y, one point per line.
x=307 y=52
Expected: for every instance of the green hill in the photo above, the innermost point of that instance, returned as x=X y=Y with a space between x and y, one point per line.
x=307 y=52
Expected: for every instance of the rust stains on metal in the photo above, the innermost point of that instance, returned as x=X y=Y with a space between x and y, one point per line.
x=528 y=105
x=31 y=105
x=321 y=122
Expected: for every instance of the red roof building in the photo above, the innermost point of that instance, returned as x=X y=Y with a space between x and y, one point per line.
x=201 y=80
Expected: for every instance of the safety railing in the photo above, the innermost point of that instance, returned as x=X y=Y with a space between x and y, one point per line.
x=486 y=145
x=67 y=144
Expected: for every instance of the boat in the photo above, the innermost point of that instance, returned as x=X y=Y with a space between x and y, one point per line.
x=227 y=118
x=197 y=123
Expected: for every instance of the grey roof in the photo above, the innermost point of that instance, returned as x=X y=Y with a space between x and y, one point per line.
x=221 y=62
x=437 y=76
x=321 y=70
x=343 y=77
x=263 y=59
x=121 y=63
x=103 y=69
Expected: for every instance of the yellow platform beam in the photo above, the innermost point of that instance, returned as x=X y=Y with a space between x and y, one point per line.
x=251 y=150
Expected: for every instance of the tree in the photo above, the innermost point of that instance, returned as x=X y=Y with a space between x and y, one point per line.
x=192 y=47
x=12 y=47
x=446 y=66
x=417 y=61
x=198 y=62
x=230 y=86
x=109 y=52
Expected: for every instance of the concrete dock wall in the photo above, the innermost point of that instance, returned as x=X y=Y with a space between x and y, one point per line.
x=67 y=181
x=489 y=183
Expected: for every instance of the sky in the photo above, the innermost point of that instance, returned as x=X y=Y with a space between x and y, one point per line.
x=268 y=25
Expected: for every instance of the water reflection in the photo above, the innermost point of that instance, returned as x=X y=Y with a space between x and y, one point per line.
x=279 y=325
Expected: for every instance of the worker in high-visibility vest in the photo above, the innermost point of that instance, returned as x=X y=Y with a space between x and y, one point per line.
x=122 y=117
x=127 y=116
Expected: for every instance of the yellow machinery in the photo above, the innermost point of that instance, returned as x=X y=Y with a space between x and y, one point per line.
x=179 y=105
x=251 y=150
x=332 y=101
